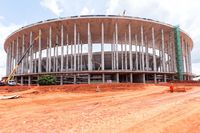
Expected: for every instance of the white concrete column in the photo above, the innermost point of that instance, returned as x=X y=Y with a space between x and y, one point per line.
x=75 y=33
x=12 y=55
x=71 y=46
x=113 y=52
x=61 y=80
x=40 y=52
x=154 y=51
x=67 y=55
x=117 y=77
x=23 y=43
x=155 y=78
x=50 y=46
x=143 y=78
x=136 y=53
x=103 y=78
x=78 y=56
x=89 y=49
x=102 y=46
x=7 y=62
x=126 y=59
x=56 y=57
x=47 y=55
x=31 y=54
x=17 y=54
x=163 y=51
x=146 y=54
x=29 y=80
x=74 y=78
x=81 y=56
x=116 y=46
x=62 y=48
x=142 y=45
x=88 y=78
x=170 y=54
x=130 y=47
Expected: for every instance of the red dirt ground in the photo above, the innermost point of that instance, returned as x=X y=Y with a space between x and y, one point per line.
x=110 y=108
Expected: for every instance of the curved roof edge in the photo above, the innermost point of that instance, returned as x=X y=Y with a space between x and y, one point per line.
x=93 y=16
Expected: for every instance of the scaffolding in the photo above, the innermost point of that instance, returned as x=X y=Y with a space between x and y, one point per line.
x=179 y=55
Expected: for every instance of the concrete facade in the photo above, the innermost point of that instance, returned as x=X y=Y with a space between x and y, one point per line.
x=90 y=49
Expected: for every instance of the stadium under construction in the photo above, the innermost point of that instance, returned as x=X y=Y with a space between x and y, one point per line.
x=100 y=49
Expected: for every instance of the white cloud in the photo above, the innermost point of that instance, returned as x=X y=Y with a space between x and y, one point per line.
x=5 y=30
x=53 y=5
x=86 y=11
x=1 y=17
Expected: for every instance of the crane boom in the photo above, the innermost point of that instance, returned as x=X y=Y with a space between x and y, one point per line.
x=11 y=75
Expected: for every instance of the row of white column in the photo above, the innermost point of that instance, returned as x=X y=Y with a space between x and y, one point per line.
x=32 y=64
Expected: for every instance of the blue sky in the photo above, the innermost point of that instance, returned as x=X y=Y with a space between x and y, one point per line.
x=17 y=13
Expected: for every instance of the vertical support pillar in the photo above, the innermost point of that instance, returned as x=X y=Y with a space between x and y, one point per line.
x=170 y=54
x=61 y=80
x=81 y=56
x=31 y=54
x=103 y=78
x=29 y=80
x=47 y=55
x=74 y=47
x=40 y=52
x=131 y=77
x=74 y=78
x=112 y=54
x=22 y=80
x=122 y=56
x=89 y=49
x=62 y=49
x=117 y=76
x=7 y=62
x=11 y=51
x=126 y=63
x=165 y=78
x=50 y=45
x=102 y=48
x=130 y=47
x=23 y=43
x=143 y=78
x=116 y=45
x=142 y=45
x=163 y=51
x=78 y=60
x=56 y=57
x=136 y=53
x=88 y=78
x=154 y=52
x=67 y=55
x=17 y=54
x=155 y=78
x=146 y=54
x=71 y=56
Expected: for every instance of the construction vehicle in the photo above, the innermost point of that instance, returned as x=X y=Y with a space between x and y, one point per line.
x=10 y=79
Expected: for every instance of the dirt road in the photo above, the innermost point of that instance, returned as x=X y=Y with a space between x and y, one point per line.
x=116 y=108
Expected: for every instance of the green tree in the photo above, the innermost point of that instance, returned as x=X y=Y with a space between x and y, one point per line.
x=47 y=80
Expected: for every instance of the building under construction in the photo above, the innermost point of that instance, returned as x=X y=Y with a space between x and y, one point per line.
x=100 y=48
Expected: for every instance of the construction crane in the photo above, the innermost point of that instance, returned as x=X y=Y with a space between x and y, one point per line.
x=10 y=79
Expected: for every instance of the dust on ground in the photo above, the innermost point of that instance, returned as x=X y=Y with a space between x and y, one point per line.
x=101 y=108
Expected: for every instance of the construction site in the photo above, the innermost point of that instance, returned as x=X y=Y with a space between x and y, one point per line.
x=112 y=74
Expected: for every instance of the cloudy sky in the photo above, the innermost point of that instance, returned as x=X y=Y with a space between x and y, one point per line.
x=17 y=13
